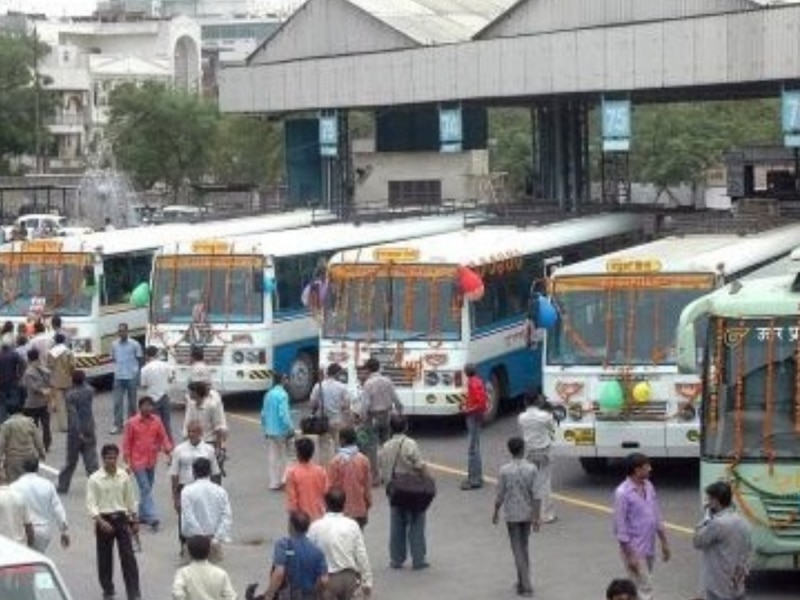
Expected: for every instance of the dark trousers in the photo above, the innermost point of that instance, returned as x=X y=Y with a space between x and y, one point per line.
x=9 y=396
x=407 y=535
x=164 y=411
x=77 y=449
x=378 y=424
x=127 y=559
x=41 y=416
x=518 y=535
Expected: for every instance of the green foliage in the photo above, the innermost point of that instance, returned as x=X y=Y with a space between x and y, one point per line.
x=247 y=150
x=510 y=146
x=162 y=134
x=18 y=97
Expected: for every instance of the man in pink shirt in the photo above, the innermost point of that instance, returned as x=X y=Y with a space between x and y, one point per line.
x=306 y=482
x=350 y=471
x=143 y=438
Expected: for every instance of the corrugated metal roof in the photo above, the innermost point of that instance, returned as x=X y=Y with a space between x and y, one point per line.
x=430 y=22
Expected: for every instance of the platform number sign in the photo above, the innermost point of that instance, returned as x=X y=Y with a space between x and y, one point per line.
x=328 y=134
x=790 y=117
x=451 y=130
x=616 y=125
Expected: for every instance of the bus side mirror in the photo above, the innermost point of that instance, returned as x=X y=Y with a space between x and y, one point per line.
x=88 y=277
x=686 y=335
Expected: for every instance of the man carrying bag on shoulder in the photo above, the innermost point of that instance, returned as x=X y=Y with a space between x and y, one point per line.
x=411 y=490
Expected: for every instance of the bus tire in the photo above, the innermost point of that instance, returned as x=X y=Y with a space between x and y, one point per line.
x=593 y=465
x=494 y=395
x=302 y=375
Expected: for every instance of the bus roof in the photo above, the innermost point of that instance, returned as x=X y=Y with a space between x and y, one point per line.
x=123 y=241
x=333 y=237
x=702 y=253
x=486 y=242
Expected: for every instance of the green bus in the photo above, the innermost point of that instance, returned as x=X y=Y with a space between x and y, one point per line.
x=744 y=342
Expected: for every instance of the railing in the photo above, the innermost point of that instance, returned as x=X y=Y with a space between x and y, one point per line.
x=66 y=120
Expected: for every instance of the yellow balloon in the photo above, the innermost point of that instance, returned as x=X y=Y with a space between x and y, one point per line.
x=642 y=392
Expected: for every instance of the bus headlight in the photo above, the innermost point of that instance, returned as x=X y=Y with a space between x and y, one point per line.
x=431 y=378
x=575 y=411
x=447 y=378
x=238 y=357
x=252 y=356
x=82 y=345
x=559 y=412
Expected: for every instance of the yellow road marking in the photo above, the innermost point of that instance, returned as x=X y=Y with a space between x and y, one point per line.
x=566 y=499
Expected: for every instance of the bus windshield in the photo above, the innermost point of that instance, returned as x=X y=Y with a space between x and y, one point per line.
x=44 y=283
x=393 y=304
x=29 y=582
x=620 y=320
x=209 y=289
x=751 y=397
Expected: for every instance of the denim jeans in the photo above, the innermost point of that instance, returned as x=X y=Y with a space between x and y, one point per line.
x=147 y=506
x=474 y=464
x=407 y=533
x=164 y=411
x=123 y=387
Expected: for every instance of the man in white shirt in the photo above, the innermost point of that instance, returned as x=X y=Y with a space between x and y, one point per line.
x=15 y=519
x=155 y=378
x=46 y=511
x=341 y=540
x=200 y=580
x=537 y=427
x=331 y=398
x=206 y=509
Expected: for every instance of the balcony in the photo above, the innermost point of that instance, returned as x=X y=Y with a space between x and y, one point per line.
x=66 y=123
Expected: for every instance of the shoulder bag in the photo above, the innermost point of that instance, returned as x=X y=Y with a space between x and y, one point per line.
x=413 y=491
x=316 y=424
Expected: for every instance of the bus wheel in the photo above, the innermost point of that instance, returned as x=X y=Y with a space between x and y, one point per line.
x=302 y=374
x=494 y=395
x=594 y=465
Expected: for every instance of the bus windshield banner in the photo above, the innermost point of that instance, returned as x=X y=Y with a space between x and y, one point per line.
x=209 y=262
x=632 y=282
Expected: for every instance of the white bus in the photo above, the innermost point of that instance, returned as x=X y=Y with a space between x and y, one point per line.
x=88 y=279
x=405 y=305
x=241 y=300
x=610 y=365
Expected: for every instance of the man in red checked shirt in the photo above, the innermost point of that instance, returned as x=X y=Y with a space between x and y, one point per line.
x=474 y=409
x=144 y=437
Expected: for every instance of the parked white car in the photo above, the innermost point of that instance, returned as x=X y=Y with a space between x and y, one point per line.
x=25 y=573
x=37 y=225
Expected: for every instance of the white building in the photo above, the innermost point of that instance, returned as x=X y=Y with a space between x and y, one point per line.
x=89 y=58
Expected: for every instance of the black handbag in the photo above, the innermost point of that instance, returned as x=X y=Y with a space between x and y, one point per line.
x=412 y=491
x=316 y=424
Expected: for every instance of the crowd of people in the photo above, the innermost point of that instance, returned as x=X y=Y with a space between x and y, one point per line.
x=358 y=444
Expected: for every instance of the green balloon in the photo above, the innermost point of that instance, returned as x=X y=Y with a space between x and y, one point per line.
x=612 y=396
x=140 y=296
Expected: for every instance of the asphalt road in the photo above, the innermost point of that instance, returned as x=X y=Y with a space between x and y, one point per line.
x=573 y=558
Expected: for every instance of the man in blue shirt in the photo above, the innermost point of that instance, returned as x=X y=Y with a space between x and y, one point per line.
x=276 y=423
x=127 y=356
x=297 y=563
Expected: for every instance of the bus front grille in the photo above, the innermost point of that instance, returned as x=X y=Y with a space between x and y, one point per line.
x=782 y=512
x=650 y=411
x=399 y=376
x=212 y=355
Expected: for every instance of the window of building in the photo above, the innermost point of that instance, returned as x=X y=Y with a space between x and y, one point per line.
x=415 y=193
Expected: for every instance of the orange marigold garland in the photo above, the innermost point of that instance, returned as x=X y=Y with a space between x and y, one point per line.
x=408 y=304
x=713 y=396
x=738 y=420
x=609 y=323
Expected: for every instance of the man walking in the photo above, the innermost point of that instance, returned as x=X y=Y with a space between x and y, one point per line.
x=81 y=435
x=638 y=522
x=19 y=439
x=298 y=563
x=537 y=426
x=330 y=397
x=378 y=398
x=12 y=366
x=111 y=502
x=127 y=356
x=36 y=381
x=723 y=537
x=46 y=511
x=181 y=469
x=306 y=482
x=204 y=406
x=15 y=518
x=155 y=379
x=518 y=496
x=341 y=541
x=206 y=509
x=61 y=363
x=276 y=423
x=474 y=409
x=406 y=527
x=143 y=439
x=200 y=580
x=349 y=470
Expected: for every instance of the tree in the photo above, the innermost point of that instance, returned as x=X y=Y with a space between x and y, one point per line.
x=247 y=150
x=160 y=134
x=18 y=97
